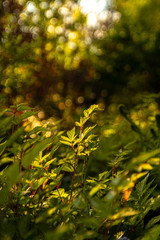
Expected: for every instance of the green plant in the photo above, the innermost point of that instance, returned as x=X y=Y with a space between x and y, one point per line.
x=46 y=192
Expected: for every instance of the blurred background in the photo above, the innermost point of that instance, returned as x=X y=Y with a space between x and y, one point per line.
x=64 y=55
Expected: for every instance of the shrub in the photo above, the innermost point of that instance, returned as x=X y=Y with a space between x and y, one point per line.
x=46 y=193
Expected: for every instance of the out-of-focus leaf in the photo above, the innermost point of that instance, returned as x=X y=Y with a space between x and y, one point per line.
x=156 y=203
x=142 y=158
x=60 y=232
x=19 y=132
x=153 y=221
x=154 y=161
x=95 y=189
x=103 y=175
x=12 y=175
x=27 y=114
x=2 y=147
x=124 y=213
x=153 y=233
x=22 y=107
x=7 y=230
x=33 y=153
x=5 y=160
x=38 y=130
x=141 y=186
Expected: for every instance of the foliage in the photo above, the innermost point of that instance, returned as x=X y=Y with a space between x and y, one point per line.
x=51 y=58
x=129 y=51
x=46 y=192
x=99 y=180
x=42 y=46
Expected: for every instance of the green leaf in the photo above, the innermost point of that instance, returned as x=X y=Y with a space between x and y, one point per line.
x=30 y=142
x=66 y=143
x=12 y=176
x=42 y=159
x=78 y=124
x=27 y=114
x=49 y=162
x=156 y=203
x=87 y=130
x=79 y=203
x=6 y=160
x=38 y=130
x=67 y=168
x=19 y=132
x=153 y=233
x=76 y=141
x=103 y=175
x=61 y=192
x=82 y=121
x=89 y=138
x=152 y=222
x=60 y=232
x=71 y=134
x=12 y=173
x=22 y=107
x=95 y=189
x=80 y=149
x=141 y=186
x=2 y=147
x=90 y=110
x=86 y=113
x=142 y=158
x=54 y=148
x=66 y=139
x=125 y=212
x=33 y=153
x=38 y=183
x=37 y=164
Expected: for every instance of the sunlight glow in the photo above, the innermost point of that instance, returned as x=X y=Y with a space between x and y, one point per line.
x=94 y=8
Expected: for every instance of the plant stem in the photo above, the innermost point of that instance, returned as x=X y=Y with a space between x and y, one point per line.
x=76 y=160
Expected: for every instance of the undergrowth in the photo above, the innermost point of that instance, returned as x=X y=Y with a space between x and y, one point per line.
x=47 y=193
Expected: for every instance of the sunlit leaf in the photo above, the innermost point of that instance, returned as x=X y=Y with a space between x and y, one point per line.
x=66 y=139
x=95 y=189
x=38 y=183
x=49 y=162
x=66 y=143
x=27 y=114
x=124 y=213
x=143 y=158
x=71 y=134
